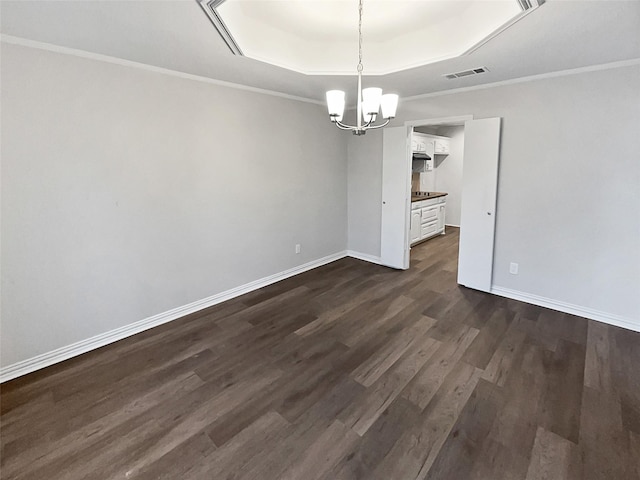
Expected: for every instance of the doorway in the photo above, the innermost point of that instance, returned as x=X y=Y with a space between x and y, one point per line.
x=445 y=172
x=478 y=195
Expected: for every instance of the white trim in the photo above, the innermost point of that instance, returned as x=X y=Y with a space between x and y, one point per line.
x=228 y=38
x=209 y=7
x=502 y=28
x=451 y=225
x=604 y=317
x=364 y=256
x=10 y=39
x=58 y=355
x=530 y=78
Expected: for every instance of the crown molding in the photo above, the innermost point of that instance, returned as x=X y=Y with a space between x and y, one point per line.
x=13 y=40
x=24 y=42
x=530 y=78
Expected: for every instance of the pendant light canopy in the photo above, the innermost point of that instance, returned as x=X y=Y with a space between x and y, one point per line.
x=369 y=101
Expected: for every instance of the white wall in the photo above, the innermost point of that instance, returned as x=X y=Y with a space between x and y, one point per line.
x=568 y=199
x=126 y=193
x=365 y=193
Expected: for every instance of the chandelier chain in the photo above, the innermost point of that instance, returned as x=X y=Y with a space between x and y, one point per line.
x=360 y=36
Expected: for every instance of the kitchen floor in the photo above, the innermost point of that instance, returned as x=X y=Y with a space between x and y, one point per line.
x=348 y=371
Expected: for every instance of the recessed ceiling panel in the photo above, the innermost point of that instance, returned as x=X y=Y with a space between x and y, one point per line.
x=321 y=36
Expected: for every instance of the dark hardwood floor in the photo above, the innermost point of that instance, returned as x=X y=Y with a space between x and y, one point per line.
x=349 y=371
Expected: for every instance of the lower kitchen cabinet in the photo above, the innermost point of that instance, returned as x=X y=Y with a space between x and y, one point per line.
x=415 y=225
x=427 y=218
x=441 y=210
x=428 y=229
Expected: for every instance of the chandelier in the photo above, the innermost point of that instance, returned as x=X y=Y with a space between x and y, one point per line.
x=370 y=100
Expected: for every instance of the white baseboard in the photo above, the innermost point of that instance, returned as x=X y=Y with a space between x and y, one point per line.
x=58 y=355
x=604 y=317
x=364 y=256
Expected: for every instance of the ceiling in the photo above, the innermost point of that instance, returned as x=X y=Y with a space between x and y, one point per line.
x=177 y=35
x=320 y=37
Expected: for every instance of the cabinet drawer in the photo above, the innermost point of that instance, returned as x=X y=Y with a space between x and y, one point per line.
x=429 y=214
x=428 y=229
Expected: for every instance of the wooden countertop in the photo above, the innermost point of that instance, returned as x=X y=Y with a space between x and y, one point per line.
x=417 y=198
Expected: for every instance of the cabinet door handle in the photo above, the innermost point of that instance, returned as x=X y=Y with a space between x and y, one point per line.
x=488 y=213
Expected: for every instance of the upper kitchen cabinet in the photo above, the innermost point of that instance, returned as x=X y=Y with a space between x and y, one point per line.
x=422 y=148
x=436 y=144
x=420 y=143
x=441 y=146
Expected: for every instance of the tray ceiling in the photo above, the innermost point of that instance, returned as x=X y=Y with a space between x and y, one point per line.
x=178 y=36
x=320 y=36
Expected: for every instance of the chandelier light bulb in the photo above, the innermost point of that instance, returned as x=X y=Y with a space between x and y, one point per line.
x=389 y=104
x=335 y=103
x=371 y=103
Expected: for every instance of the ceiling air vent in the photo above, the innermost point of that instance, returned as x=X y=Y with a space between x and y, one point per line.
x=466 y=73
x=209 y=7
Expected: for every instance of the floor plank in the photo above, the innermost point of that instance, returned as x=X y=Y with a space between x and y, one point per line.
x=553 y=458
x=348 y=371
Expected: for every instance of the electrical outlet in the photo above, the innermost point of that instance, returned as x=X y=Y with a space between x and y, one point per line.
x=297 y=248
x=513 y=268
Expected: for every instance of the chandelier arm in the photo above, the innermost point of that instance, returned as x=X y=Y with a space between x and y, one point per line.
x=372 y=127
x=344 y=126
x=367 y=126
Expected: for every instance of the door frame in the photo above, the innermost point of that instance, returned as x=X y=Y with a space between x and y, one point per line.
x=441 y=121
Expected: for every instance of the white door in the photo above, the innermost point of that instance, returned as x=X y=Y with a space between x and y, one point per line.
x=479 y=192
x=396 y=197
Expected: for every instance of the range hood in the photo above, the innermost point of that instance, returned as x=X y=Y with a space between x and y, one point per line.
x=421 y=156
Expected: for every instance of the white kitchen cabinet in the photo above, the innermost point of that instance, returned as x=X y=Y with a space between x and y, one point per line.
x=418 y=144
x=429 y=214
x=427 y=218
x=441 y=146
x=428 y=229
x=422 y=144
x=415 y=225
x=441 y=215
